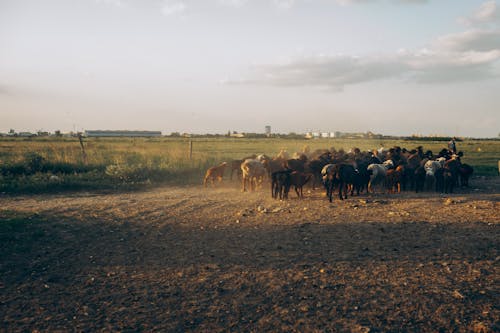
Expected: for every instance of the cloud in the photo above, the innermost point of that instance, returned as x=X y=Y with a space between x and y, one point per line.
x=331 y=71
x=233 y=3
x=454 y=66
x=468 y=56
x=412 y=1
x=284 y=4
x=170 y=8
x=281 y=4
x=449 y=72
x=471 y=40
x=352 y=2
x=117 y=3
x=486 y=12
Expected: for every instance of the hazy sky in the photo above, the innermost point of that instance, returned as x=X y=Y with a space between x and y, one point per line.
x=209 y=66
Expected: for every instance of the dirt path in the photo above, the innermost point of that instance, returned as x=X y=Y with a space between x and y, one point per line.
x=195 y=259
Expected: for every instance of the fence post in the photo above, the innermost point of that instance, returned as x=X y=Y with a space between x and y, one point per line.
x=84 y=154
x=190 y=149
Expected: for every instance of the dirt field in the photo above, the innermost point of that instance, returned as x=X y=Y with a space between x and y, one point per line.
x=194 y=259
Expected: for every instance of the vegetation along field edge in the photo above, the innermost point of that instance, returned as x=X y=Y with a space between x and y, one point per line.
x=34 y=165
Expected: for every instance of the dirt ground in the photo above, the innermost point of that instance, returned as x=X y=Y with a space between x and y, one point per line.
x=193 y=259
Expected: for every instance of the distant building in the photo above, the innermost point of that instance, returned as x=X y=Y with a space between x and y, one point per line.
x=317 y=135
x=42 y=133
x=338 y=134
x=106 y=133
x=268 y=130
x=26 y=134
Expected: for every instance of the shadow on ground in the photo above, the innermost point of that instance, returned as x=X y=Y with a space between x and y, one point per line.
x=88 y=275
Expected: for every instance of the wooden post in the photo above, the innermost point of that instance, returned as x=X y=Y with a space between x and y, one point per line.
x=190 y=149
x=84 y=154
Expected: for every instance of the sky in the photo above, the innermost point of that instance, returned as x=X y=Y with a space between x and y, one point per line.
x=396 y=67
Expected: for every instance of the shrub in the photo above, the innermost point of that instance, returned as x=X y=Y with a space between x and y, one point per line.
x=33 y=162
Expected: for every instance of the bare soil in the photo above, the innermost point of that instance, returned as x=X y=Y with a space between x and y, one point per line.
x=215 y=259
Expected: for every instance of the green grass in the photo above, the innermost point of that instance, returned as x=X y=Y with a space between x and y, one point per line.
x=26 y=165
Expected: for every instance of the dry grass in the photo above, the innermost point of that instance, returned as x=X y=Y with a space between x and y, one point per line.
x=135 y=161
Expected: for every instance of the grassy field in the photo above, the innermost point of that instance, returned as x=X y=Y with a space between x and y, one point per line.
x=30 y=164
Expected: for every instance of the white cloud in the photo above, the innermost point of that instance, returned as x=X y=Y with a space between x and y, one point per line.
x=170 y=8
x=284 y=4
x=454 y=67
x=412 y=1
x=117 y=3
x=471 y=40
x=281 y=4
x=233 y=3
x=332 y=71
x=463 y=57
x=470 y=55
x=352 y=2
x=486 y=12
